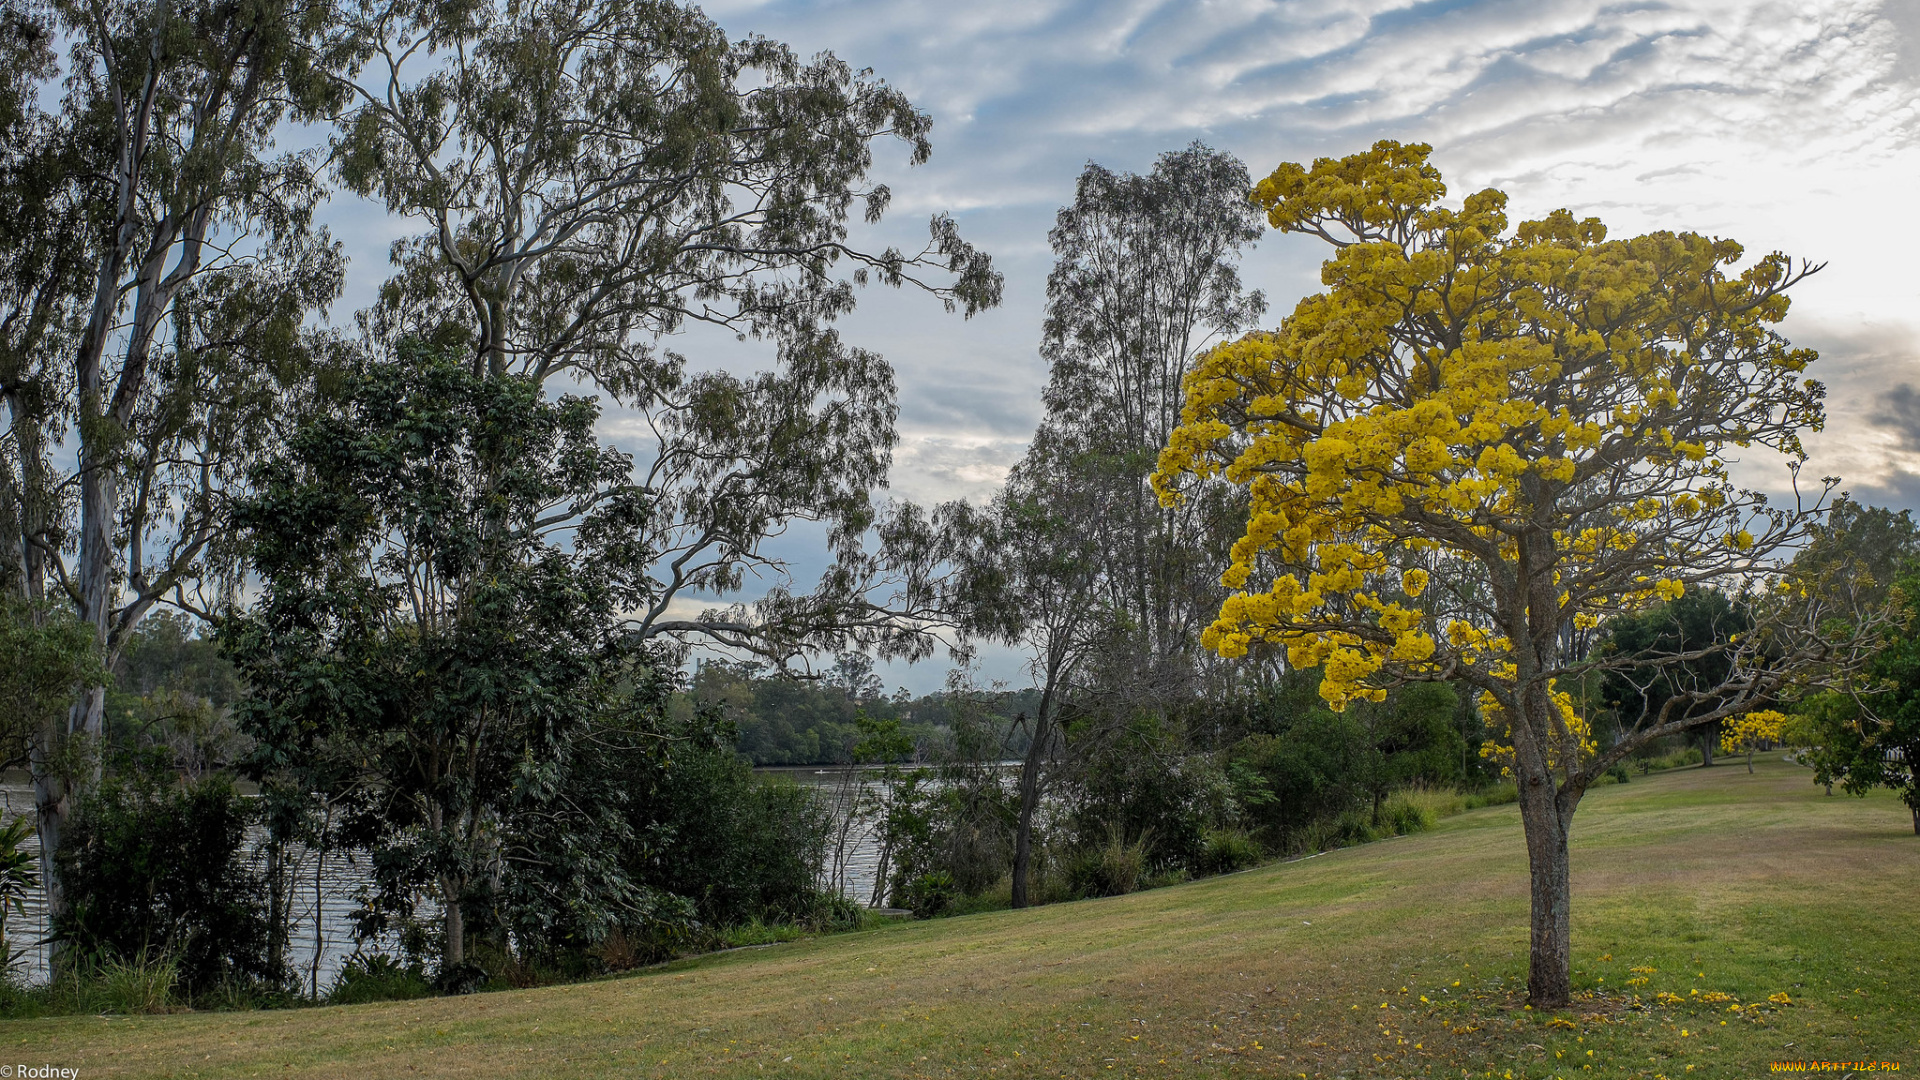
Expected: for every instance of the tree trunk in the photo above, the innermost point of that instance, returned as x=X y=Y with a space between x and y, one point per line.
x=58 y=775
x=1916 y=821
x=1550 y=951
x=1706 y=747
x=51 y=803
x=455 y=923
x=1030 y=798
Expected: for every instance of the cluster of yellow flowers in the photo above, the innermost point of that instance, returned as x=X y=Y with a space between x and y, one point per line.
x=1570 y=746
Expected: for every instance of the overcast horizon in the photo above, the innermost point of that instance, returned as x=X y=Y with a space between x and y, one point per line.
x=1775 y=124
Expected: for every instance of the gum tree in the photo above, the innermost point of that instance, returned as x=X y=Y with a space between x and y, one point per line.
x=588 y=178
x=161 y=263
x=1482 y=437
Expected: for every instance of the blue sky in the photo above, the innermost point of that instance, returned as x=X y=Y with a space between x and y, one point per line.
x=1790 y=126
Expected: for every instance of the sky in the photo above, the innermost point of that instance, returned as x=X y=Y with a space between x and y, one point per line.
x=1785 y=126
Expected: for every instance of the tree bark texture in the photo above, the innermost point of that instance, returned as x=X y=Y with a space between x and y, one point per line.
x=1550 y=949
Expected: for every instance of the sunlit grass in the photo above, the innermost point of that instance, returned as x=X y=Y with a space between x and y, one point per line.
x=1399 y=958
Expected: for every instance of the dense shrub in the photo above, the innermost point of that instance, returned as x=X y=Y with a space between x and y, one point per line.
x=1144 y=779
x=156 y=872
x=378 y=978
x=1228 y=850
x=1317 y=770
x=740 y=846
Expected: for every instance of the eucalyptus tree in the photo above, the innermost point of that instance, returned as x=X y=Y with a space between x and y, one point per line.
x=591 y=177
x=162 y=259
x=1145 y=275
x=1075 y=560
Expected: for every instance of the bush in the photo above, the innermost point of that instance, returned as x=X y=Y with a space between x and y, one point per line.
x=741 y=847
x=956 y=822
x=378 y=978
x=155 y=870
x=1145 y=779
x=930 y=895
x=1499 y=794
x=1402 y=815
x=1228 y=850
x=1113 y=869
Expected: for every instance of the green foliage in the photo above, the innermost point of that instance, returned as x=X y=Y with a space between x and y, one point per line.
x=1113 y=868
x=742 y=848
x=17 y=879
x=783 y=720
x=1228 y=850
x=1321 y=766
x=372 y=977
x=1417 y=737
x=1401 y=815
x=1143 y=780
x=1682 y=648
x=1878 y=746
x=445 y=561
x=46 y=654
x=947 y=830
x=158 y=878
x=928 y=895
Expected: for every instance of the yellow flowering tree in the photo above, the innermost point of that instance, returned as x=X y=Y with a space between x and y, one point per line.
x=1480 y=441
x=1750 y=732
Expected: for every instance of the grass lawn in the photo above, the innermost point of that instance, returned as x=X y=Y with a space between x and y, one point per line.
x=1401 y=958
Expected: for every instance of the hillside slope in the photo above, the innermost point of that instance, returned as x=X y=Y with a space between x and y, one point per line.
x=1400 y=958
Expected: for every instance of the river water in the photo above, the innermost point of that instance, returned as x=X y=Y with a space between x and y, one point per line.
x=322 y=935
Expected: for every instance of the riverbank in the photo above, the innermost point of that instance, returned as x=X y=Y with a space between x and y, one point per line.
x=1399 y=958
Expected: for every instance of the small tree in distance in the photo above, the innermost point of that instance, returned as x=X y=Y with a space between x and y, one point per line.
x=1480 y=439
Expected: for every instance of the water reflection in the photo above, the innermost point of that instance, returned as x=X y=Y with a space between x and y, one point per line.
x=319 y=947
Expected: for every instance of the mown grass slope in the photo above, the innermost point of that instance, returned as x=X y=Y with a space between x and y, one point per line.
x=1401 y=958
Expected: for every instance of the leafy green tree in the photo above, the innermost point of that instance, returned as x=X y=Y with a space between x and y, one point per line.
x=1029 y=574
x=1866 y=546
x=1075 y=561
x=1872 y=740
x=445 y=564
x=1146 y=275
x=591 y=176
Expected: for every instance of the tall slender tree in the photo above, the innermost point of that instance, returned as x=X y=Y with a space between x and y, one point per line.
x=162 y=259
x=1145 y=275
x=1076 y=557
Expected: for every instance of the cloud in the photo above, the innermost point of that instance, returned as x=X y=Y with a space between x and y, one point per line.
x=1899 y=410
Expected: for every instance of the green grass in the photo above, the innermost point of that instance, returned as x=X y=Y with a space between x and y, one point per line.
x=1720 y=882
